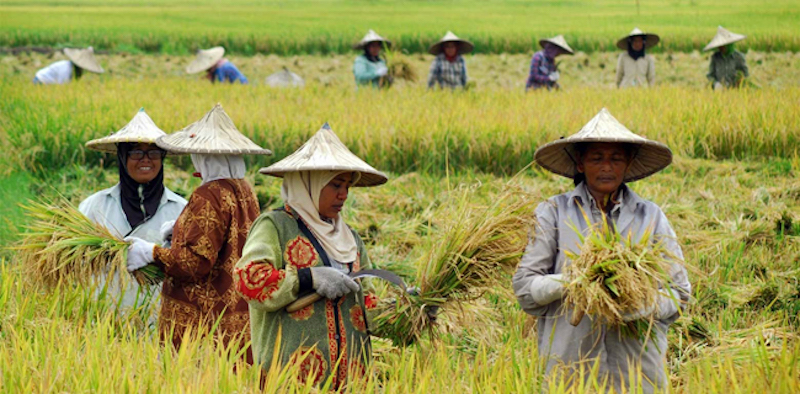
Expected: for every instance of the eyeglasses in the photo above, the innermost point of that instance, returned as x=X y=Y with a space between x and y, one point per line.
x=153 y=154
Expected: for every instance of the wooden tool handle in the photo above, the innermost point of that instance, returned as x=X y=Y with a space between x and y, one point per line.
x=577 y=316
x=303 y=302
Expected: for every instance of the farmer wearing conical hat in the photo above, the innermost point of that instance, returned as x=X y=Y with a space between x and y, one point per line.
x=728 y=68
x=208 y=236
x=369 y=67
x=601 y=158
x=217 y=68
x=139 y=205
x=63 y=71
x=307 y=247
x=448 y=69
x=544 y=71
x=285 y=78
x=635 y=67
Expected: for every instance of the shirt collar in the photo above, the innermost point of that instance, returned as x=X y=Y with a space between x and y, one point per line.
x=628 y=200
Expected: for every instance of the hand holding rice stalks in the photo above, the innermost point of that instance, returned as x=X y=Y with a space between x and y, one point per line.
x=63 y=245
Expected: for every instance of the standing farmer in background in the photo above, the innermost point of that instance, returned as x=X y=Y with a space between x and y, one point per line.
x=728 y=68
x=217 y=68
x=370 y=68
x=448 y=69
x=635 y=67
x=544 y=72
x=63 y=71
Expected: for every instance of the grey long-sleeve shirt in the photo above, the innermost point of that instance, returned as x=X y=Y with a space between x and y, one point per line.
x=559 y=341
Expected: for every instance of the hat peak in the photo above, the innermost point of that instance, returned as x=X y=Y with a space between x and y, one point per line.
x=326 y=126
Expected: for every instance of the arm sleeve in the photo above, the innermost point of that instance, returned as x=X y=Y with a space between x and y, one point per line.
x=532 y=72
x=363 y=72
x=260 y=275
x=535 y=271
x=743 y=65
x=433 y=74
x=651 y=70
x=620 y=71
x=463 y=73
x=712 y=76
x=680 y=289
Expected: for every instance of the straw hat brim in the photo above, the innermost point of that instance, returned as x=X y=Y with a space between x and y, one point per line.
x=84 y=58
x=566 y=50
x=176 y=142
x=203 y=63
x=464 y=47
x=364 y=44
x=109 y=144
x=721 y=43
x=368 y=178
x=141 y=129
x=650 y=40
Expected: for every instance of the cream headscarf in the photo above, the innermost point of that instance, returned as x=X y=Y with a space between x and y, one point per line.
x=213 y=167
x=301 y=192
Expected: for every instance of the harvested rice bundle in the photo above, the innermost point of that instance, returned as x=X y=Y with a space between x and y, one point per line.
x=475 y=244
x=613 y=276
x=63 y=245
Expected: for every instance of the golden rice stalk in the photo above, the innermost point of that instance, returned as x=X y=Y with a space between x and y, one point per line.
x=63 y=245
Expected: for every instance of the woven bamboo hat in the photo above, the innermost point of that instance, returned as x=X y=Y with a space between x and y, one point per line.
x=285 y=78
x=214 y=134
x=140 y=129
x=84 y=58
x=464 y=46
x=324 y=151
x=723 y=37
x=206 y=58
x=650 y=40
x=371 y=36
x=559 y=41
x=560 y=156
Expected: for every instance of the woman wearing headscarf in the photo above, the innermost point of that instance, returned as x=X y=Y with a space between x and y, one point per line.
x=448 y=69
x=635 y=67
x=369 y=67
x=217 y=68
x=728 y=67
x=307 y=247
x=139 y=205
x=544 y=72
x=208 y=236
x=64 y=71
x=601 y=158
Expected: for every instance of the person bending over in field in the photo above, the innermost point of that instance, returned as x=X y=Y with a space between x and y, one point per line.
x=138 y=205
x=370 y=68
x=307 y=247
x=728 y=68
x=544 y=71
x=635 y=67
x=63 y=71
x=600 y=158
x=448 y=69
x=207 y=240
x=217 y=68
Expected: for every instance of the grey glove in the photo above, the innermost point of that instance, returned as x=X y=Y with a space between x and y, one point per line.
x=664 y=307
x=547 y=288
x=381 y=70
x=332 y=283
x=718 y=86
x=166 y=231
x=140 y=253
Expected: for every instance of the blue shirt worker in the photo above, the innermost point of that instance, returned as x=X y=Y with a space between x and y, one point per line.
x=217 y=68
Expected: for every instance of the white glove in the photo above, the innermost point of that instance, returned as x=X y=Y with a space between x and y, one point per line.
x=554 y=76
x=140 y=253
x=332 y=283
x=381 y=70
x=547 y=288
x=166 y=230
x=717 y=86
x=664 y=307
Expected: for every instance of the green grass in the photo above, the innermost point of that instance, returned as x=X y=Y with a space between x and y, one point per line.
x=300 y=27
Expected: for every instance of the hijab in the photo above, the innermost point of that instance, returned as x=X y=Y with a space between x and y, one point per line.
x=139 y=201
x=214 y=167
x=636 y=54
x=300 y=191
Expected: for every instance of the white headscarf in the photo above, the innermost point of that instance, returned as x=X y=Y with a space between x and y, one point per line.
x=301 y=192
x=213 y=167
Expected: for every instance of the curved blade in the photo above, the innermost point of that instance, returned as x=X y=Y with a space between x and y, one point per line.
x=383 y=274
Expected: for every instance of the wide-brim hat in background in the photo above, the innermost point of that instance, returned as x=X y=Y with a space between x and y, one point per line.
x=214 y=134
x=560 y=156
x=140 y=129
x=371 y=36
x=206 y=58
x=285 y=78
x=723 y=37
x=650 y=40
x=84 y=58
x=326 y=152
x=464 y=46
x=558 y=41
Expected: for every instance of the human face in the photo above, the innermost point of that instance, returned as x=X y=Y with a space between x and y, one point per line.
x=374 y=48
x=334 y=194
x=450 y=49
x=604 y=165
x=637 y=43
x=147 y=168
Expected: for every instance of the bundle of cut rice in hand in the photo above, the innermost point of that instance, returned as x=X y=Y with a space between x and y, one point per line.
x=613 y=275
x=61 y=245
x=475 y=245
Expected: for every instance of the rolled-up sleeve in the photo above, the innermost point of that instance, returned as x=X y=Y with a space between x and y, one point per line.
x=538 y=262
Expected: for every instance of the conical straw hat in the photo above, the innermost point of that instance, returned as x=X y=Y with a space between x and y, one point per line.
x=206 y=58
x=371 y=37
x=214 y=134
x=464 y=46
x=723 y=37
x=650 y=40
x=560 y=156
x=324 y=151
x=140 y=129
x=285 y=78
x=558 y=41
x=84 y=58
